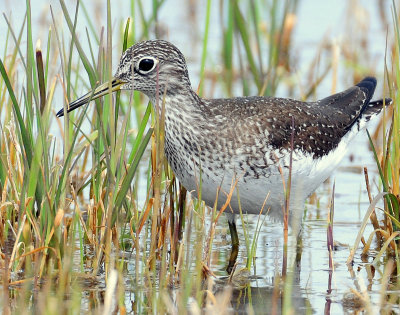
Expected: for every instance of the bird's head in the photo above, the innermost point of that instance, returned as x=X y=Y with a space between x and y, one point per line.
x=150 y=66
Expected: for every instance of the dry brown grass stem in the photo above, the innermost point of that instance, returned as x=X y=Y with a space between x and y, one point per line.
x=207 y=248
x=373 y=217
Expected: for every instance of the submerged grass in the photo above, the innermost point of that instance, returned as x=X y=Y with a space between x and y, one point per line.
x=68 y=220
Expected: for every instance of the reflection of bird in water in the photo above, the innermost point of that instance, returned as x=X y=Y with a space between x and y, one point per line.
x=245 y=294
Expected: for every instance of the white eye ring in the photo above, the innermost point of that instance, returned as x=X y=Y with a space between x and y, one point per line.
x=146 y=64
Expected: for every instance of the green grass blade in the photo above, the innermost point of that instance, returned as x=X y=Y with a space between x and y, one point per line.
x=205 y=44
x=392 y=203
x=141 y=130
x=82 y=55
x=24 y=134
x=242 y=27
x=129 y=176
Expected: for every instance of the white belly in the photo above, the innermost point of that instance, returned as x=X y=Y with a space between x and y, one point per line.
x=267 y=193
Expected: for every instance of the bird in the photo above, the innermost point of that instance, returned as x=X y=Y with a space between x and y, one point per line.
x=252 y=144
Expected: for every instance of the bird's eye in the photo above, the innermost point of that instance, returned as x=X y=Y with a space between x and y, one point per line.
x=146 y=64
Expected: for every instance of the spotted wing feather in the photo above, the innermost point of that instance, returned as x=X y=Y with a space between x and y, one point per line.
x=318 y=126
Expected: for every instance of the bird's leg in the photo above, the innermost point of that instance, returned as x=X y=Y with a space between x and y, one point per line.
x=297 y=229
x=234 y=235
x=296 y=222
x=235 y=246
x=299 y=246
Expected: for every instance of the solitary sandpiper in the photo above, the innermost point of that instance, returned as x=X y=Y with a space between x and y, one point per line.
x=249 y=140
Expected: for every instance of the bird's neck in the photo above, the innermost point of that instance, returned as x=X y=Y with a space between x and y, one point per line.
x=177 y=102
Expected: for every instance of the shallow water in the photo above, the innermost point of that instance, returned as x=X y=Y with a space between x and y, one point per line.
x=311 y=279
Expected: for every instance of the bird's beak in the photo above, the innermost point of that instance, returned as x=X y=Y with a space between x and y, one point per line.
x=101 y=90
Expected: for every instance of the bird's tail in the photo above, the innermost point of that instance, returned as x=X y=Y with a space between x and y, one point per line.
x=371 y=108
x=386 y=101
x=374 y=108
